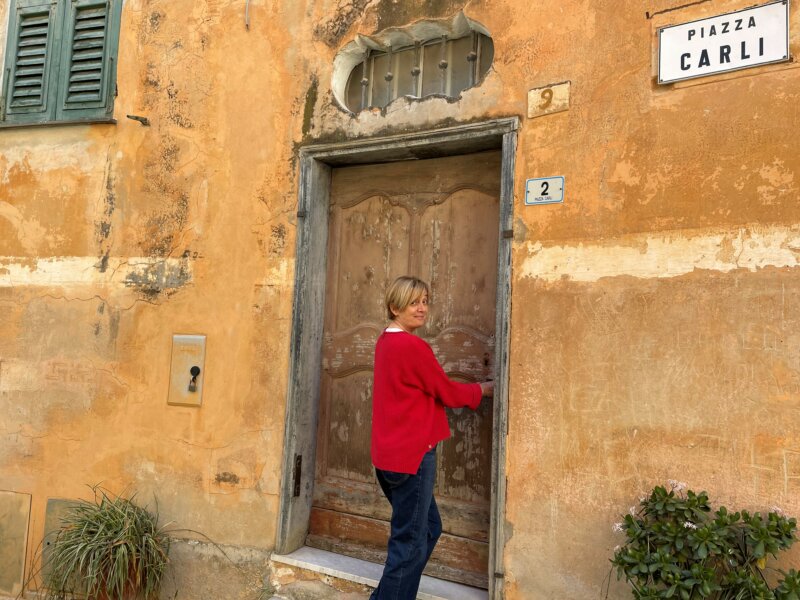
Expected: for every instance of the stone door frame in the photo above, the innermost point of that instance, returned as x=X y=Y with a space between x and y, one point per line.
x=305 y=359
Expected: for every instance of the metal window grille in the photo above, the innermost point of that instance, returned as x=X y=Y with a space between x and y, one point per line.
x=443 y=67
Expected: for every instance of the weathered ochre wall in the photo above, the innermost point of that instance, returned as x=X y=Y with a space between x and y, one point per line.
x=115 y=237
x=654 y=312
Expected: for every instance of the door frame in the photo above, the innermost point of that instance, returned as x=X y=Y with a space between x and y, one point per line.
x=317 y=162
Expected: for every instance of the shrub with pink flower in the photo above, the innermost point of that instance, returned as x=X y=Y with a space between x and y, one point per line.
x=678 y=547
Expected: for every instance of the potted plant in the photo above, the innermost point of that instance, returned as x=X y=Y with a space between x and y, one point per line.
x=107 y=549
x=678 y=547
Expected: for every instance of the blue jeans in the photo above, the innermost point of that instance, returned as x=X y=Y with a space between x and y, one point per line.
x=416 y=526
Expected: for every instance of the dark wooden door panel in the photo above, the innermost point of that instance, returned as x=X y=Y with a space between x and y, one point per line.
x=457 y=559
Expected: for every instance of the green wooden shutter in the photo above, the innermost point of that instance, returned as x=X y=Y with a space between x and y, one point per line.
x=88 y=73
x=33 y=36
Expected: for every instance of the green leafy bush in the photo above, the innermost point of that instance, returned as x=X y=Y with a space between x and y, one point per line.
x=678 y=547
x=107 y=548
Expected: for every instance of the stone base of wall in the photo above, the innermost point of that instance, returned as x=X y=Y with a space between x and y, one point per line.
x=294 y=583
x=203 y=571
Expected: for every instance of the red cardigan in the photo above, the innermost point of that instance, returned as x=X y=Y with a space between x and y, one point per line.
x=409 y=394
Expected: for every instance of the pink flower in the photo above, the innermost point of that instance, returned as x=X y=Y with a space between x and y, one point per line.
x=677 y=486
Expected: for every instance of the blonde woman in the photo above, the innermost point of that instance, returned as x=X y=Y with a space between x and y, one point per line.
x=410 y=393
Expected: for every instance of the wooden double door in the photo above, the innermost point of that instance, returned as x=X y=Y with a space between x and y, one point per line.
x=436 y=219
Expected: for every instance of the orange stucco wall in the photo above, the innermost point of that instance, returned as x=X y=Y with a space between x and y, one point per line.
x=654 y=312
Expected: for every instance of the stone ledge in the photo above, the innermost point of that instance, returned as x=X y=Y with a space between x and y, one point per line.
x=367 y=573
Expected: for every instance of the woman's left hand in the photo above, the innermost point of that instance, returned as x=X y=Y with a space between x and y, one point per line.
x=487 y=389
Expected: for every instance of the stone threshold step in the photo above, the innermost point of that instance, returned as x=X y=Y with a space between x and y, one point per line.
x=367 y=573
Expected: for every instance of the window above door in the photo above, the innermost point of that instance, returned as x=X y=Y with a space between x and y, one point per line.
x=430 y=58
x=60 y=61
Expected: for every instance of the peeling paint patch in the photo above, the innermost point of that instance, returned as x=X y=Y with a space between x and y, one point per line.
x=777 y=175
x=103 y=226
x=29 y=231
x=277 y=242
x=311 y=101
x=154 y=277
x=277 y=275
x=670 y=254
x=52 y=379
x=227 y=477
x=142 y=273
x=19 y=375
x=625 y=173
x=43 y=157
x=177 y=107
x=335 y=28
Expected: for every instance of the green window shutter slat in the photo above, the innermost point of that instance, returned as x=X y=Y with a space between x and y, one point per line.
x=83 y=46
x=28 y=56
x=90 y=23
x=90 y=34
x=34 y=31
x=30 y=72
x=88 y=55
x=23 y=94
x=33 y=46
x=87 y=12
x=35 y=83
x=84 y=97
x=83 y=67
x=84 y=76
x=36 y=60
x=33 y=20
x=82 y=88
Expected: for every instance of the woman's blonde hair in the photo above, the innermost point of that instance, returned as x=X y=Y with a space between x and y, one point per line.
x=403 y=291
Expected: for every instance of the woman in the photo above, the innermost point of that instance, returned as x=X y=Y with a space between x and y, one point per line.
x=410 y=392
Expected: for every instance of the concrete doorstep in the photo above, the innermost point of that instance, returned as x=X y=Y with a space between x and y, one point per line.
x=363 y=574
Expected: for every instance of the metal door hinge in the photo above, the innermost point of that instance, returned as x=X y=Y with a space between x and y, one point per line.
x=298 y=473
x=508 y=233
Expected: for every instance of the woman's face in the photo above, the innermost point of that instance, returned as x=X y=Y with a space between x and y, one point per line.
x=413 y=315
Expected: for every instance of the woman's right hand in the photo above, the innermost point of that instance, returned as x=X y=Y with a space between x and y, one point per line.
x=487 y=389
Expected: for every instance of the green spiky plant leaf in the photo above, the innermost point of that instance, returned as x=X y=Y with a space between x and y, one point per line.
x=108 y=548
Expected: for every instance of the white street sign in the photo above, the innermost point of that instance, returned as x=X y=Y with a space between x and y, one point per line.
x=737 y=40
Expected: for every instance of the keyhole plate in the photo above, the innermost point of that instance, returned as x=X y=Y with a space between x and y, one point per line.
x=187 y=351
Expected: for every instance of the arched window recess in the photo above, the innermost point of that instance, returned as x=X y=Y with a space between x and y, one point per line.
x=427 y=58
